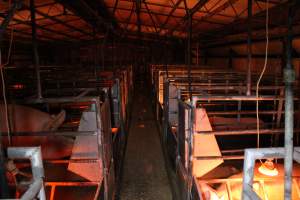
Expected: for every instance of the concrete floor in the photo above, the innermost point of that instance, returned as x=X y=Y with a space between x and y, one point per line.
x=144 y=173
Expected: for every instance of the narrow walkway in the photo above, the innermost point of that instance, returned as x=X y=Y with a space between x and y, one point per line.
x=144 y=173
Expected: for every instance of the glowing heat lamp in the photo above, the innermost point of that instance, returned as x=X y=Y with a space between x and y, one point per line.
x=267 y=168
x=18 y=86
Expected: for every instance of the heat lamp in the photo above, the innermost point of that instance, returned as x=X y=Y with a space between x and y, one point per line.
x=268 y=168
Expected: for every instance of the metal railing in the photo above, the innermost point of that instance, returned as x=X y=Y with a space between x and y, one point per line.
x=249 y=163
x=34 y=154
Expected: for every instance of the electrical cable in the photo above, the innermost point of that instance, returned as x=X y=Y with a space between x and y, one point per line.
x=262 y=73
x=3 y=82
x=4 y=99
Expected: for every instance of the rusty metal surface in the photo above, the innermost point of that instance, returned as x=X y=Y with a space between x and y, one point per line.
x=144 y=172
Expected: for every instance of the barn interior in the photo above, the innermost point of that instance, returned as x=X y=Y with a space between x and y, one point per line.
x=149 y=99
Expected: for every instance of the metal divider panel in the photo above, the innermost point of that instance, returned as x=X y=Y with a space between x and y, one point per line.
x=106 y=131
x=86 y=147
x=115 y=105
x=204 y=145
x=173 y=105
x=182 y=127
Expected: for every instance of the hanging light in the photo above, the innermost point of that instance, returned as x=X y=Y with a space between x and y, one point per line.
x=267 y=168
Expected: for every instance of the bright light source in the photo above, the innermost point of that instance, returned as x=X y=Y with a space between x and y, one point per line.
x=114 y=130
x=18 y=86
x=141 y=125
x=267 y=168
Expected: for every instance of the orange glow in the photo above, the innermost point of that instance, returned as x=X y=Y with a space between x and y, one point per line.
x=18 y=86
x=214 y=196
x=267 y=168
x=114 y=130
x=83 y=107
x=79 y=105
x=141 y=125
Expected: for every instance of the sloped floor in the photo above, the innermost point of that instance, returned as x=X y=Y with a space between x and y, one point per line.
x=144 y=173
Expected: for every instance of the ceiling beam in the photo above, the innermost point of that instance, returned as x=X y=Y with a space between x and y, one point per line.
x=217 y=10
x=90 y=14
x=189 y=13
x=52 y=18
x=115 y=7
x=151 y=17
x=138 y=16
x=169 y=15
x=196 y=8
x=240 y=25
x=8 y=18
x=27 y=23
x=155 y=14
x=170 y=7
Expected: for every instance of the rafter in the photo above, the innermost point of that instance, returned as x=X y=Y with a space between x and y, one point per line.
x=89 y=13
x=138 y=16
x=240 y=25
x=166 y=14
x=190 y=13
x=197 y=7
x=170 y=14
x=144 y=25
x=151 y=17
x=128 y=20
x=215 y=11
x=115 y=7
x=8 y=18
x=27 y=23
x=218 y=9
x=62 y=22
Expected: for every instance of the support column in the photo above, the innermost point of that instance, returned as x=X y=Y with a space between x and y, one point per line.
x=249 y=48
x=189 y=50
x=230 y=61
x=36 y=61
x=289 y=76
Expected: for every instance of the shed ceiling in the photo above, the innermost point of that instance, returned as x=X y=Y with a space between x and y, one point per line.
x=85 y=20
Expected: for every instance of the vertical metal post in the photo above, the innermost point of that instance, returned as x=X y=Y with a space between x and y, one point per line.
x=205 y=55
x=4 y=189
x=7 y=19
x=230 y=61
x=289 y=77
x=249 y=47
x=3 y=182
x=101 y=151
x=96 y=50
x=36 y=60
x=166 y=94
x=189 y=51
x=197 y=58
x=112 y=52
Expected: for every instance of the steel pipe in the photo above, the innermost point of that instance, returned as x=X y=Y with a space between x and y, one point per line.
x=289 y=77
x=49 y=133
x=33 y=190
x=249 y=48
x=189 y=50
x=246 y=132
x=35 y=49
x=239 y=98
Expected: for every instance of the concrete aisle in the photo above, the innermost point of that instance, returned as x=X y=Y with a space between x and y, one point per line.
x=144 y=173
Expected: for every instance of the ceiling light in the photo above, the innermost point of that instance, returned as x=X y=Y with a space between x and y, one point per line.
x=267 y=168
